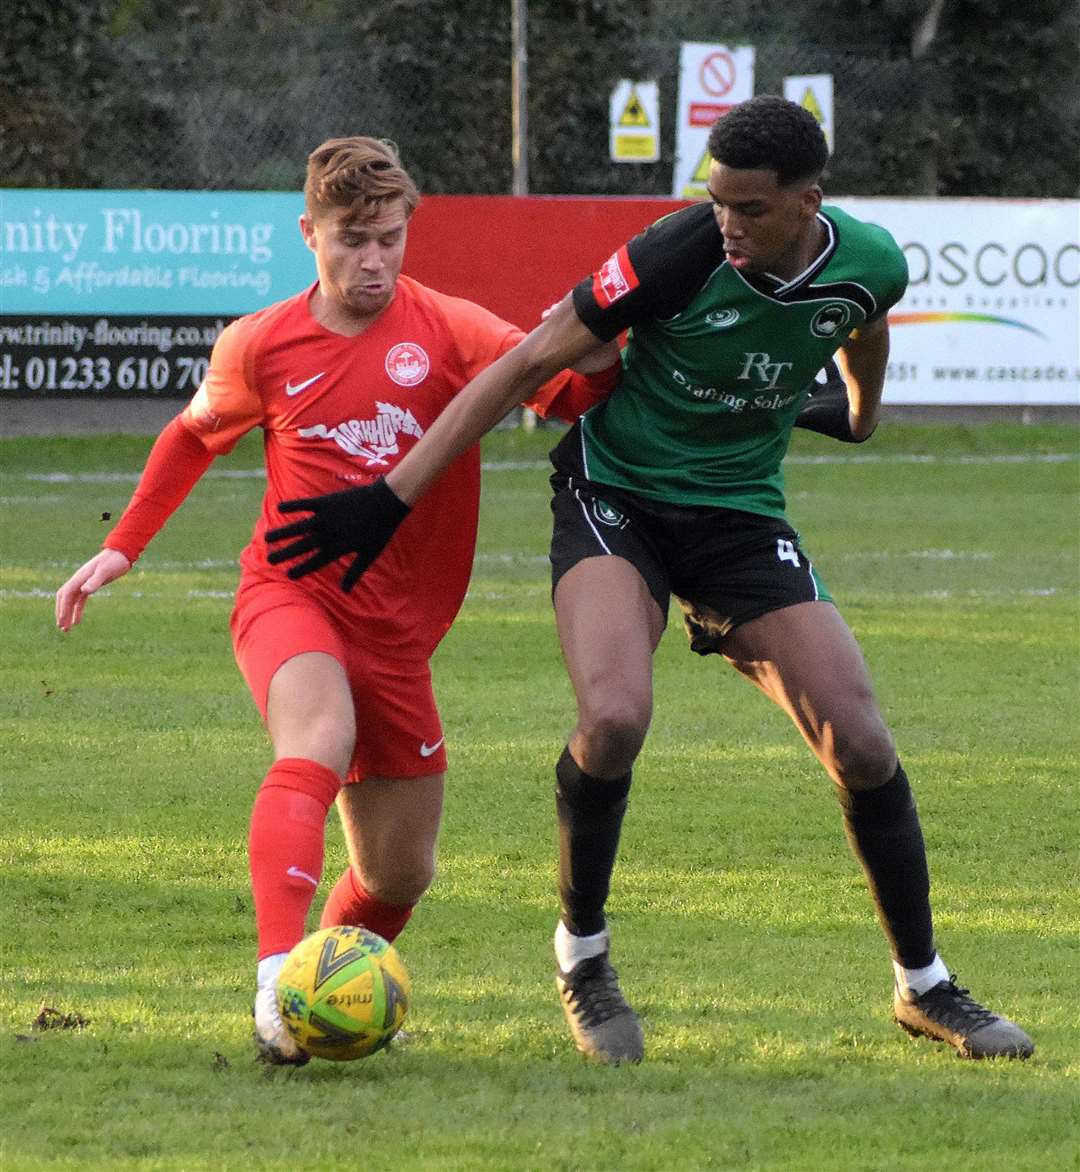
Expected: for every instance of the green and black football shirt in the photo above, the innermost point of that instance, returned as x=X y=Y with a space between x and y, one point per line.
x=718 y=363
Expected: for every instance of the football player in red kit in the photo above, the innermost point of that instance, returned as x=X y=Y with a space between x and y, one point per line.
x=343 y=379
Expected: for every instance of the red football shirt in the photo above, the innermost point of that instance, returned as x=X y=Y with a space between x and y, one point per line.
x=339 y=411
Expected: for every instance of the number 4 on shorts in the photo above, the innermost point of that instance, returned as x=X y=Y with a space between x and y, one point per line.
x=786 y=551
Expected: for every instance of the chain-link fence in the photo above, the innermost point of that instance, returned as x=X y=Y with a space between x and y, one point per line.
x=240 y=105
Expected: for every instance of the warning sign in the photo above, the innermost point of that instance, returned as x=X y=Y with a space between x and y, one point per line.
x=717 y=73
x=635 y=122
x=634 y=113
x=701 y=173
x=814 y=92
x=712 y=79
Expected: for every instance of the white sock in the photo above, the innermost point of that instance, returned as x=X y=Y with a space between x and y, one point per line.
x=570 y=949
x=918 y=981
x=268 y=970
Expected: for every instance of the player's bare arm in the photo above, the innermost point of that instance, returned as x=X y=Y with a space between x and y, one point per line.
x=597 y=360
x=103 y=568
x=175 y=463
x=863 y=360
x=558 y=342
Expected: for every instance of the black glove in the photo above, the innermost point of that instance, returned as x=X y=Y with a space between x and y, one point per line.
x=358 y=520
x=826 y=411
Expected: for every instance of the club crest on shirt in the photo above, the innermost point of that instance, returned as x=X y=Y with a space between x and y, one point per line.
x=606 y=515
x=830 y=320
x=407 y=364
x=721 y=319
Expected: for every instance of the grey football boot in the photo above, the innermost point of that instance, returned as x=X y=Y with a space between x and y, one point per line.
x=604 y=1026
x=947 y=1013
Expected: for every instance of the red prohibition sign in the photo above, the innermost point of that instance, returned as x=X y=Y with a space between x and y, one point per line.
x=717 y=74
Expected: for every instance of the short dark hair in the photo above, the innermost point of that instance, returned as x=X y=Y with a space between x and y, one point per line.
x=769 y=133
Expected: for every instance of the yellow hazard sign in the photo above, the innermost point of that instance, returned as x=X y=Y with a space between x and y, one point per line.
x=634 y=122
x=809 y=102
x=631 y=146
x=701 y=172
x=814 y=92
x=634 y=113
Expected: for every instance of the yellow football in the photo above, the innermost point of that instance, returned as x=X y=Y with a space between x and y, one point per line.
x=343 y=993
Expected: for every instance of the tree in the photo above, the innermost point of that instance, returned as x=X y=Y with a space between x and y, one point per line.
x=58 y=75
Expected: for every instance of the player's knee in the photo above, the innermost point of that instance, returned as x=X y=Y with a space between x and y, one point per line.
x=404 y=882
x=327 y=737
x=863 y=756
x=614 y=730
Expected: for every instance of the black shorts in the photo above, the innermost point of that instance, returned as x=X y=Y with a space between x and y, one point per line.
x=724 y=566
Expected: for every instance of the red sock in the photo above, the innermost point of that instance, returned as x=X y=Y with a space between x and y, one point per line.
x=285 y=848
x=349 y=903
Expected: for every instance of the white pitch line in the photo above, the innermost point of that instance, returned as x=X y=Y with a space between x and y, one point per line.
x=148 y=563
x=151 y=594
x=513 y=559
x=537 y=465
x=495 y=558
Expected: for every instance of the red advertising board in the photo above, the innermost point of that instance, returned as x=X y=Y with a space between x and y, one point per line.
x=516 y=255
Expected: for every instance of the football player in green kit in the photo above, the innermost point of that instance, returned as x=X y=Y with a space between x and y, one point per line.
x=673 y=486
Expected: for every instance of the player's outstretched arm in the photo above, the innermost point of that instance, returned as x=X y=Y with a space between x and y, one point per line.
x=176 y=461
x=362 y=520
x=100 y=570
x=558 y=342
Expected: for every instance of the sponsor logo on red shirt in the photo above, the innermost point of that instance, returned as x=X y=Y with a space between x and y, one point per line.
x=615 y=279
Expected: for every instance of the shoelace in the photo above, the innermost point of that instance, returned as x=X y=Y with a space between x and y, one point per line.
x=953 y=1008
x=595 y=991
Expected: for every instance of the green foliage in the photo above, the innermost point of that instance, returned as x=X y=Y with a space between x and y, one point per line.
x=1013 y=72
x=743 y=933
x=991 y=107
x=216 y=94
x=437 y=80
x=58 y=71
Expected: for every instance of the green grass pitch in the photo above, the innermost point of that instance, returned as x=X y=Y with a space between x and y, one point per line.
x=130 y=755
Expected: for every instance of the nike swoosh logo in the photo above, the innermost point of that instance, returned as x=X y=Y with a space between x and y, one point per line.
x=296 y=873
x=291 y=390
x=426 y=750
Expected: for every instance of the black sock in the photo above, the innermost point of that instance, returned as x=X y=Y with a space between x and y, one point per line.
x=882 y=828
x=590 y=811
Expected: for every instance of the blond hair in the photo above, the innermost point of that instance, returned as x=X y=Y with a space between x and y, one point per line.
x=364 y=174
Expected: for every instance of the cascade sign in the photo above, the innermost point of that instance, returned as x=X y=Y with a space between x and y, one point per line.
x=992 y=310
x=712 y=79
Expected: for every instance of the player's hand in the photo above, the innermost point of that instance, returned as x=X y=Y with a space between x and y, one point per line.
x=358 y=520
x=828 y=410
x=99 y=571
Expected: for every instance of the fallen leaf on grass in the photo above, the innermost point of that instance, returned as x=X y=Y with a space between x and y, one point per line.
x=50 y=1018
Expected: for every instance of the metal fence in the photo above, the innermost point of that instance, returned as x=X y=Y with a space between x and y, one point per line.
x=240 y=108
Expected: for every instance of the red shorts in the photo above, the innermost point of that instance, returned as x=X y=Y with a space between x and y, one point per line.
x=398 y=731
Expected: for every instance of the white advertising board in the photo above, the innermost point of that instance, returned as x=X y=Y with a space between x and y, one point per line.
x=992 y=311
